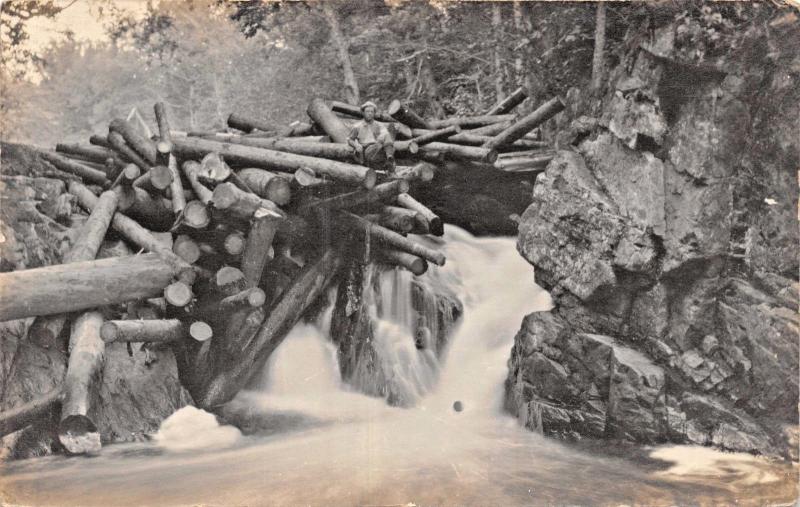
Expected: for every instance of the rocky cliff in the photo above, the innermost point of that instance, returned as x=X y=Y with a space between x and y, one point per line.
x=39 y=221
x=666 y=231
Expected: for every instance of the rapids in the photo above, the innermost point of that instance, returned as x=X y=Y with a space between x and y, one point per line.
x=307 y=439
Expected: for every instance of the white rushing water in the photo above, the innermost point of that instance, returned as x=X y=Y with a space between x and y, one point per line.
x=311 y=440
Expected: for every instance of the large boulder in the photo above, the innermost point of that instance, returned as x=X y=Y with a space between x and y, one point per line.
x=666 y=231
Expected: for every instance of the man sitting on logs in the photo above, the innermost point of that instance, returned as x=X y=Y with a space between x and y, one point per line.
x=371 y=141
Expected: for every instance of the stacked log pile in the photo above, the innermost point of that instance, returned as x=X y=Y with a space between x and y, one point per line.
x=233 y=236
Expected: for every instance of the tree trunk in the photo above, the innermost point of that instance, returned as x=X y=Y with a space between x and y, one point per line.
x=471 y=121
x=153 y=212
x=143 y=146
x=322 y=115
x=117 y=142
x=270 y=186
x=526 y=124
x=406 y=115
x=142 y=331
x=382 y=192
x=45 y=330
x=134 y=232
x=434 y=222
x=476 y=153
x=91 y=153
x=536 y=163
x=518 y=70
x=436 y=135
x=510 y=102
x=333 y=151
x=398 y=219
x=248 y=124
x=391 y=238
x=70 y=166
x=241 y=204
x=498 y=64
x=18 y=417
x=257 y=249
x=343 y=48
x=76 y=432
x=270 y=159
x=599 y=46
x=281 y=317
x=203 y=193
x=416 y=265
x=422 y=172
x=81 y=285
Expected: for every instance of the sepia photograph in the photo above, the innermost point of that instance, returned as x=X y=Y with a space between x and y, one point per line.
x=399 y=253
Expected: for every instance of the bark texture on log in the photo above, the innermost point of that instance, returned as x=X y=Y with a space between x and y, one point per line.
x=116 y=141
x=476 y=153
x=257 y=249
x=191 y=170
x=333 y=151
x=168 y=330
x=384 y=191
x=523 y=126
x=270 y=186
x=436 y=135
x=322 y=115
x=140 y=144
x=416 y=265
x=77 y=432
x=81 y=285
x=248 y=124
x=504 y=106
x=242 y=204
x=91 y=153
x=435 y=223
x=471 y=121
x=405 y=114
x=391 y=238
x=72 y=167
x=271 y=159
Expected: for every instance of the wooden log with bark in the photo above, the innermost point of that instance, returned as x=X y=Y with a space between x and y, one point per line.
x=127 y=176
x=421 y=172
x=191 y=170
x=98 y=154
x=257 y=248
x=435 y=224
x=78 y=286
x=406 y=115
x=243 y=204
x=153 y=211
x=156 y=180
x=322 y=115
x=271 y=159
x=332 y=151
x=176 y=186
x=506 y=105
x=471 y=121
x=531 y=163
x=140 y=144
x=149 y=331
x=356 y=112
x=253 y=297
x=416 y=265
x=83 y=171
x=271 y=186
x=388 y=237
x=471 y=139
x=248 y=123
x=382 y=192
x=117 y=142
x=436 y=135
x=474 y=153
x=518 y=129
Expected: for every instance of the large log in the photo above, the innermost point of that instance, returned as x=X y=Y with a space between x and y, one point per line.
x=471 y=121
x=504 y=106
x=422 y=171
x=252 y=297
x=153 y=211
x=476 y=153
x=298 y=128
x=70 y=166
x=98 y=140
x=168 y=330
x=257 y=249
x=535 y=163
x=191 y=170
x=81 y=285
x=156 y=180
x=117 y=142
x=435 y=223
x=242 y=204
x=382 y=192
x=248 y=124
x=18 y=417
x=322 y=115
x=356 y=112
x=471 y=139
x=416 y=265
x=387 y=237
x=270 y=186
x=176 y=186
x=134 y=232
x=523 y=126
x=405 y=114
x=127 y=176
x=97 y=154
x=436 y=135
x=281 y=317
x=271 y=159
x=333 y=151
x=45 y=330
x=77 y=432
x=140 y=144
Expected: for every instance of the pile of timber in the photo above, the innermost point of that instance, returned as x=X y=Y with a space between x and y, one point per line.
x=225 y=239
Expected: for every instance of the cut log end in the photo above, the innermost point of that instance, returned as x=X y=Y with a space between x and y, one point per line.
x=79 y=435
x=178 y=294
x=196 y=215
x=370 y=178
x=234 y=243
x=200 y=331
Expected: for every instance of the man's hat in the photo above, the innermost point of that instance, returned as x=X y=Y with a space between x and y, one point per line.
x=367 y=104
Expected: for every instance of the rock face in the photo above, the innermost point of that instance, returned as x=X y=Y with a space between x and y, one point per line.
x=666 y=231
x=38 y=224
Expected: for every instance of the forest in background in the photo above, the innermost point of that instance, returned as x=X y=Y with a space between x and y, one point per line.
x=206 y=58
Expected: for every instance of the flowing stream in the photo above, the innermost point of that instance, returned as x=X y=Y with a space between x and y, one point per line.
x=309 y=440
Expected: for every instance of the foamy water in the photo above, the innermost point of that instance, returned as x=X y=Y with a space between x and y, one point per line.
x=311 y=440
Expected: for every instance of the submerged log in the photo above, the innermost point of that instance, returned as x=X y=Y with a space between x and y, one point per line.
x=168 y=330
x=16 y=418
x=416 y=265
x=248 y=123
x=504 y=106
x=257 y=248
x=88 y=174
x=391 y=238
x=140 y=144
x=81 y=285
x=281 y=317
x=271 y=159
x=45 y=330
x=116 y=141
x=76 y=431
x=471 y=121
x=436 y=135
x=405 y=114
x=476 y=153
x=270 y=186
x=322 y=115
x=524 y=125
x=434 y=222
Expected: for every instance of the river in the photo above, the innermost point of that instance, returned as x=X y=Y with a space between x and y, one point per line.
x=309 y=440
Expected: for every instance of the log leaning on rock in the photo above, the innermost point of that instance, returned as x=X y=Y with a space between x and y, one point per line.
x=23 y=415
x=82 y=285
x=281 y=317
x=322 y=115
x=76 y=431
x=271 y=159
x=504 y=106
x=518 y=129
